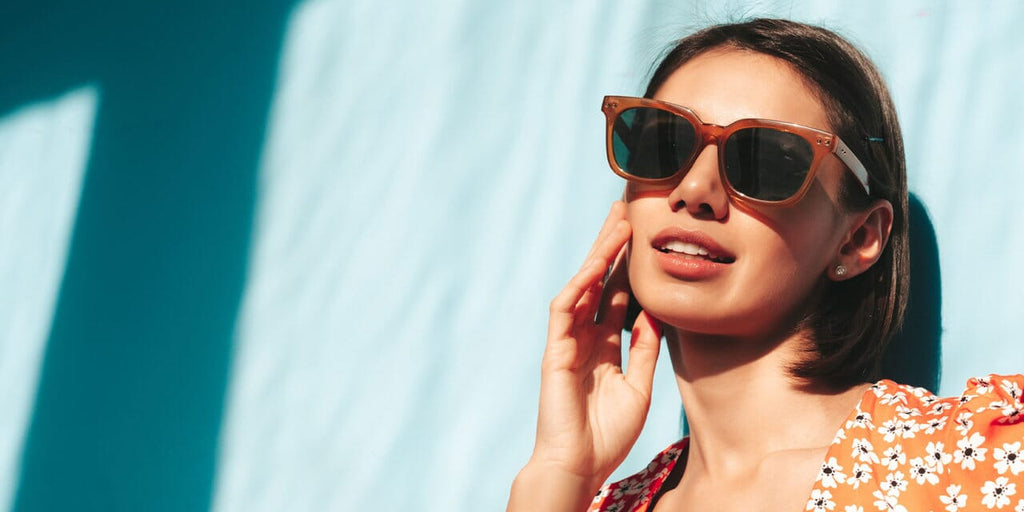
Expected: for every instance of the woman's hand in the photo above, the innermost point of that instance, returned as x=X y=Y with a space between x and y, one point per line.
x=591 y=412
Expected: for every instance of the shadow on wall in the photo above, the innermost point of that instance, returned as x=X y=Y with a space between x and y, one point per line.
x=914 y=355
x=132 y=386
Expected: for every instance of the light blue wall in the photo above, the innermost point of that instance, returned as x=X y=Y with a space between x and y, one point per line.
x=429 y=176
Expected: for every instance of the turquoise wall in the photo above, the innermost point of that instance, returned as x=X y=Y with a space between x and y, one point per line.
x=298 y=255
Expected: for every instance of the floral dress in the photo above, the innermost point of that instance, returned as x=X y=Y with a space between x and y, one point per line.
x=901 y=449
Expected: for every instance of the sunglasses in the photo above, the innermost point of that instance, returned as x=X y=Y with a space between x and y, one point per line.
x=761 y=161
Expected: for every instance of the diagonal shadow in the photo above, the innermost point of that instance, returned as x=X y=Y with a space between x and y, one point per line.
x=914 y=356
x=130 y=398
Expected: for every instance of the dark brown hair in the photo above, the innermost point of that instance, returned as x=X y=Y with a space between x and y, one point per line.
x=854 y=319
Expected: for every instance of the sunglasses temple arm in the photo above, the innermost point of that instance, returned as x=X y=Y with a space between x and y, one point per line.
x=851 y=161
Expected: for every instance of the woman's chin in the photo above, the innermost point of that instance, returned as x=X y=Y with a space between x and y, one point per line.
x=706 y=321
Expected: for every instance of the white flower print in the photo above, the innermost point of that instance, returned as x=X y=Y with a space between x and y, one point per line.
x=1011 y=416
x=938 y=458
x=636 y=486
x=908 y=428
x=984 y=385
x=997 y=494
x=820 y=501
x=970 y=451
x=940 y=407
x=1019 y=507
x=1009 y=457
x=861 y=474
x=840 y=437
x=893 y=457
x=1011 y=388
x=629 y=487
x=928 y=399
x=953 y=500
x=994 y=405
x=853 y=508
x=890 y=429
x=966 y=397
x=864 y=451
x=894 y=484
x=964 y=422
x=887 y=502
x=1012 y=412
x=933 y=425
x=907 y=412
x=897 y=397
x=831 y=473
x=619 y=492
x=922 y=472
x=670 y=455
x=861 y=420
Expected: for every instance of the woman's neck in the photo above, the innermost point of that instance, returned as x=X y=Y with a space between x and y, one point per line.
x=743 y=405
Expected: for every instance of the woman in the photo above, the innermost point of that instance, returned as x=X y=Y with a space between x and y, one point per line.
x=763 y=232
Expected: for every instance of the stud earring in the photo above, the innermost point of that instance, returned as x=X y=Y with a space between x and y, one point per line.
x=840 y=270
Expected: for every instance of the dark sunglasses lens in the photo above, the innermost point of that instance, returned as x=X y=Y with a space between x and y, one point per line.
x=651 y=143
x=767 y=164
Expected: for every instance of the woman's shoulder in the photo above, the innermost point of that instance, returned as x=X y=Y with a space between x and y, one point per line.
x=635 y=492
x=905 y=447
x=987 y=402
x=902 y=447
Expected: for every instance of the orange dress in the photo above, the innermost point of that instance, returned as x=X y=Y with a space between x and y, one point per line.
x=901 y=449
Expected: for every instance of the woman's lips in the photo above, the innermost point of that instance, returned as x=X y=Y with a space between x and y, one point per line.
x=690 y=255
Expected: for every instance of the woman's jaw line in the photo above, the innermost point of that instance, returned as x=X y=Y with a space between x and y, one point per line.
x=709 y=358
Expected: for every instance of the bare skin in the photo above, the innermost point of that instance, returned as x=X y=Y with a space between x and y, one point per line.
x=747 y=452
x=591 y=412
x=758 y=435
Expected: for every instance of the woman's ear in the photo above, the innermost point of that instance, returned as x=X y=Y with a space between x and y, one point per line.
x=865 y=240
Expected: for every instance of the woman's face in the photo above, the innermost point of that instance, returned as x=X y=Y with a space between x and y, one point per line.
x=763 y=264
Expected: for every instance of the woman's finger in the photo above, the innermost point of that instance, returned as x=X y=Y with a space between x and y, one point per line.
x=563 y=308
x=616 y=213
x=643 y=353
x=605 y=253
x=612 y=309
x=610 y=246
x=588 y=304
x=575 y=305
x=611 y=312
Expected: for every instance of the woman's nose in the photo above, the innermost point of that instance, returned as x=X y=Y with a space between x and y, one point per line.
x=701 y=191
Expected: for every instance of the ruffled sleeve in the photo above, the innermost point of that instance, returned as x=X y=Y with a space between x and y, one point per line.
x=905 y=450
x=986 y=446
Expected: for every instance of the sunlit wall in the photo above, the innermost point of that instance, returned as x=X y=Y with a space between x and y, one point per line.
x=378 y=202
x=43 y=150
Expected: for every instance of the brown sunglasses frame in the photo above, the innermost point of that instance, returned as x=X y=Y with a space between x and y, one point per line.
x=822 y=144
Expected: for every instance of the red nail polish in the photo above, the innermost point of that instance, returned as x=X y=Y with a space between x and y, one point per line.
x=655 y=326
